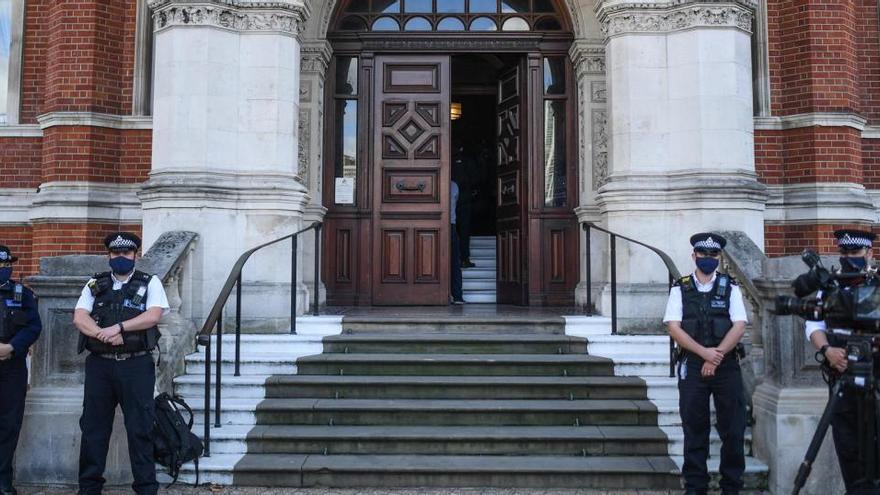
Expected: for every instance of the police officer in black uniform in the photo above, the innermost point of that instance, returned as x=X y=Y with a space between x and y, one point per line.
x=117 y=316
x=706 y=317
x=19 y=328
x=856 y=253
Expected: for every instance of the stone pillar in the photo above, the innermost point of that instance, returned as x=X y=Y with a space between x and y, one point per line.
x=226 y=102
x=681 y=154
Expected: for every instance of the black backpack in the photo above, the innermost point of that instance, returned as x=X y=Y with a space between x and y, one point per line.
x=173 y=442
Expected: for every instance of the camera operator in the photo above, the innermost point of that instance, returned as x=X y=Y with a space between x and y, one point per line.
x=856 y=251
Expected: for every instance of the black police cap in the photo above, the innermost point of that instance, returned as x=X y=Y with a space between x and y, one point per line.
x=708 y=241
x=6 y=255
x=122 y=241
x=854 y=238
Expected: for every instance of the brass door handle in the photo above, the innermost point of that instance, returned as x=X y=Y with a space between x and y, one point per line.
x=401 y=186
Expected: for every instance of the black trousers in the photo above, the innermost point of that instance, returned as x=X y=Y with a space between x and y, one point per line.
x=129 y=384
x=845 y=429
x=13 y=389
x=463 y=222
x=455 y=268
x=726 y=388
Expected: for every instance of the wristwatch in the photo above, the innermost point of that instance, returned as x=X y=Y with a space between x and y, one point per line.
x=824 y=348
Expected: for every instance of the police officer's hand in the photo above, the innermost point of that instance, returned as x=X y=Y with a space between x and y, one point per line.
x=708 y=369
x=5 y=351
x=836 y=357
x=116 y=340
x=107 y=333
x=712 y=355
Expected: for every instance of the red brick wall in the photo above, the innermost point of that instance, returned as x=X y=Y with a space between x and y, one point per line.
x=83 y=153
x=18 y=239
x=54 y=239
x=20 y=163
x=868 y=38
x=786 y=240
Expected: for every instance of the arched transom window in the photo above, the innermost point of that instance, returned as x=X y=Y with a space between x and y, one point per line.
x=475 y=16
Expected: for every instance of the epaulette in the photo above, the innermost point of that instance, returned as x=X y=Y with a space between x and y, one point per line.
x=684 y=282
x=100 y=282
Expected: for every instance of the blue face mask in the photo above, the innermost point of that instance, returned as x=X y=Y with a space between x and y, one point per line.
x=5 y=274
x=707 y=265
x=121 y=265
x=853 y=265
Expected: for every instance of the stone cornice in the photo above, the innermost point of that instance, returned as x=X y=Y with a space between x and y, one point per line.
x=821 y=119
x=286 y=17
x=587 y=57
x=92 y=119
x=819 y=202
x=871 y=132
x=23 y=130
x=315 y=56
x=662 y=17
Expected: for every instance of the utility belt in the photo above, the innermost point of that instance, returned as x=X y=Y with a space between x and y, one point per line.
x=121 y=356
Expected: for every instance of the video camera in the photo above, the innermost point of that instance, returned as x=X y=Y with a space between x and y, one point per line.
x=846 y=300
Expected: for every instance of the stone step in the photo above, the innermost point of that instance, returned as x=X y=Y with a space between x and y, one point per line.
x=294 y=345
x=405 y=412
x=438 y=440
x=675 y=438
x=412 y=322
x=469 y=285
x=455 y=344
x=455 y=365
x=261 y=363
x=417 y=387
x=294 y=470
x=480 y=298
x=481 y=252
x=478 y=273
x=620 y=346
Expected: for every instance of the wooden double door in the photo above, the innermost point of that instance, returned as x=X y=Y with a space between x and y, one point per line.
x=394 y=247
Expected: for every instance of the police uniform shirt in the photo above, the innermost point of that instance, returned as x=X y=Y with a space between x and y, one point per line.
x=674 y=308
x=155 y=295
x=814 y=326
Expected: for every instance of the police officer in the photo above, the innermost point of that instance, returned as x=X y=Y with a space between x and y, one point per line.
x=19 y=328
x=117 y=316
x=856 y=252
x=706 y=317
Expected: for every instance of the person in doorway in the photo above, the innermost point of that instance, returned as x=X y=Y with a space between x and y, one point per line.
x=117 y=316
x=706 y=317
x=20 y=327
x=464 y=168
x=455 y=261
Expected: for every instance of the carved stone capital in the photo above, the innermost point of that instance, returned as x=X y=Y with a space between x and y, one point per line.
x=587 y=57
x=662 y=17
x=287 y=17
x=315 y=56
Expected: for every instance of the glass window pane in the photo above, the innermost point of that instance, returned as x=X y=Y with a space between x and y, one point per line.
x=547 y=24
x=346 y=75
x=450 y=6
x=358 y=6
x=386 y=24
x=346 y=139
x=417 y=6
x=418 y=24
x=483 y=24
x=5 y=49
x=352 y=23
x=544 y=6
x=554 y=153
x=386 y=6
x=483 y=6
x=515 y=6
x=515 y=24
x=450 y=24
x=554 y=76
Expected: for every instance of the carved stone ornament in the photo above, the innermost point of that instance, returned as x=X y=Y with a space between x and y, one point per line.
x=282 y=17
x=679 y=18
x=305 y=138
x=587 y=59
x=600 y=147
x=598 y=92
x=447 y=44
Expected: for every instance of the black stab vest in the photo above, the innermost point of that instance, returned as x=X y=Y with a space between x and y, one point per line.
x=115 y=306
x=706 y=315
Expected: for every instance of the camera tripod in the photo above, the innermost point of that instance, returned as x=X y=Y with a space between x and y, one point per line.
x=859 y=377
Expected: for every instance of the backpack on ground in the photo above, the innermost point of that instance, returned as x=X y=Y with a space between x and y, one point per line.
x=173 y=442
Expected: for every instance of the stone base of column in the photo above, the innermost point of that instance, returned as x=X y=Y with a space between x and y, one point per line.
x=785 y=421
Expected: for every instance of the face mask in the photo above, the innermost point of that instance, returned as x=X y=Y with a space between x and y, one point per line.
x=5 y=273
x=121 y=265
x=852 y=265
x=707 y=265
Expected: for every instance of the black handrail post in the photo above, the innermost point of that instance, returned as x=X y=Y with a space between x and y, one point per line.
x=613 y=284
x=293 y=247
x=238 y=327
x=208 y=397
x=589 y=308
x=219 y=370
x=317 y=267
x=671 y=340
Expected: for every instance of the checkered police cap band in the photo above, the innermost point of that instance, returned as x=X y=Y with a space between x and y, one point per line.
x=853 y=241
x=122 y=243
x=707 y=243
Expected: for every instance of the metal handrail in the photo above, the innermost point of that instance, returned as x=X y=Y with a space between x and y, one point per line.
x=674 y=275
x=215 y=319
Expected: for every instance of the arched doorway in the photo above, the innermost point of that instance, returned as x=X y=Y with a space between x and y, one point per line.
x=393 y=143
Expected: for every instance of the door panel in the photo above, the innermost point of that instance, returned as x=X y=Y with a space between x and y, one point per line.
x=512 y=200
x=411 y=215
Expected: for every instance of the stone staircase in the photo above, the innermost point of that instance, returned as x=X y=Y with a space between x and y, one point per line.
x=478 y=283
x=472 y=405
